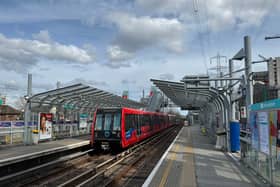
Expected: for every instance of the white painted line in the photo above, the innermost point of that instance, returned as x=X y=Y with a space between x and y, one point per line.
x=234 y=158
x=154 y=171
x=45 y=151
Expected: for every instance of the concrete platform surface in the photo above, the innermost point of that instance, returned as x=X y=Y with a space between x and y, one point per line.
x=193 y=161
x=13 y=154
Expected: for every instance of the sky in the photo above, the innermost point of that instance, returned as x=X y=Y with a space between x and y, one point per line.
x=118 y=45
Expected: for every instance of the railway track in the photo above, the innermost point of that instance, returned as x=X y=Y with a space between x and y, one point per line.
x=110 y=172
x=80 y=169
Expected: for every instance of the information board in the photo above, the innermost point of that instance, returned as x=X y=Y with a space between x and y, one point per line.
x=264 y=131
x=83 y=120
x=254 y=130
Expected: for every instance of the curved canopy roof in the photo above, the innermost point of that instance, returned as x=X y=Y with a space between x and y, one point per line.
x=82 y=96
x=186 y=97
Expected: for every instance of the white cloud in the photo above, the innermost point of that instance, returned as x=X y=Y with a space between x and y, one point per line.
x=19 y=54
x=117 y=64
x=117 y=54
x=128 y=81
x=166 y=76
x=163 y=6
x=16 y=86
x=219 y=14
x=42 y=36
x=136 y=33
x=10 y=85
x=93 y=83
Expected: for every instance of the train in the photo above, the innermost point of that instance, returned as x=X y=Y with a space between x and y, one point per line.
x=120 y=128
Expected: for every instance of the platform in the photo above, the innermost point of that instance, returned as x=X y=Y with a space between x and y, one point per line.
x=191 y=160
x=10 y=155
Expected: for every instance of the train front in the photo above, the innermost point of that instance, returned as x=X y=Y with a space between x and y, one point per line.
x=106 y=132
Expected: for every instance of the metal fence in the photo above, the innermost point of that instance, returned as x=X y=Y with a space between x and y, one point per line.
x=260 y=146
x=12 y=132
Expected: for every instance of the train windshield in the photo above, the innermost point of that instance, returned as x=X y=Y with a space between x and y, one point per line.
x=117 y=122
x=98 y=124
x=108 y=120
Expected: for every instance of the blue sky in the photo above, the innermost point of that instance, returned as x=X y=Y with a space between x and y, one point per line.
x=121 y=44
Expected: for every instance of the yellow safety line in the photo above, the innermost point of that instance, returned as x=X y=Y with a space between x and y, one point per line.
x=190 y=150
x=167 y=170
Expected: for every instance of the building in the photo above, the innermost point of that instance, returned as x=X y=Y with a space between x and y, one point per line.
x=263 y=89
x=8 y=113
x=2 y=100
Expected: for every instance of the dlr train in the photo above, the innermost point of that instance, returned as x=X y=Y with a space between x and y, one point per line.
x=118 y=128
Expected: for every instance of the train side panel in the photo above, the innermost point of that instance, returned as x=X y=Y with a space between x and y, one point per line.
x=135 y=126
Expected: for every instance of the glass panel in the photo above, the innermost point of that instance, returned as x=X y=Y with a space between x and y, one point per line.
x=108 y=121
x=117 y=122
x=264 y=165
x=127 y=122
x=98 y=124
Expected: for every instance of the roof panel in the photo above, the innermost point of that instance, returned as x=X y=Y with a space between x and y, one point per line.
x=80 y=95
x=180 y=95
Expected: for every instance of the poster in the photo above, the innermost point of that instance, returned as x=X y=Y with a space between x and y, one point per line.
x=263 y=132
x=254 y=130
x=273 y=132
x=278 y=135
x=83 y=120
x=278 y=129
x=45 y=126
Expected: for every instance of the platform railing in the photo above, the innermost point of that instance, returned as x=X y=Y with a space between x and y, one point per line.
x=12 y=132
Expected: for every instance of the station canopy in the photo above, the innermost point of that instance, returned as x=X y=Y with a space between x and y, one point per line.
x=186 y=97
x=80 y=96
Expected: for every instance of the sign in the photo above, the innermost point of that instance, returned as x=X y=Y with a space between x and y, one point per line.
x=5 y=124
x=68 y=106
x=243 y=112
x=272 y=104
x=18 y=123
x=264 y=132
x=45 y=126
x=2 y=100
x=83 y=120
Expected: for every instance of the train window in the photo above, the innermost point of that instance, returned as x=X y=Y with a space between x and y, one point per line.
x=117 y=122
x=127 y=122
x=98 y=124
x=142 y=120
x=108 y=121
x=157 y=121
x=130 y=122
x=146 y=121
x=138 y=121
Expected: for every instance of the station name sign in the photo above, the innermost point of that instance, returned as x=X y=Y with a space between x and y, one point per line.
x=272 y=104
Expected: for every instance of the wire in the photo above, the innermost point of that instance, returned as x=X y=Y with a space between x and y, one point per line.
x=264 y=20
x=198 y=22
x=208 y=34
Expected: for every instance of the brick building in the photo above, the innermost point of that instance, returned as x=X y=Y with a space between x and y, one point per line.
x=8 y=113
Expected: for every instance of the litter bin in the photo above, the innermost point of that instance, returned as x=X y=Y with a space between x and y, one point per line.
x=35 y=136
x=234 y=136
